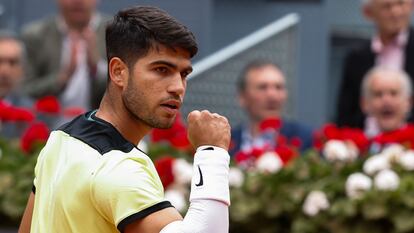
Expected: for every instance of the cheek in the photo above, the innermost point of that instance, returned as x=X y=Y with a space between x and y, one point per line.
x=283 y=96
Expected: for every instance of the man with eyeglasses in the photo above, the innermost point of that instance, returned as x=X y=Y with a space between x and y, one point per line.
x=11 y=75
x=391 y=47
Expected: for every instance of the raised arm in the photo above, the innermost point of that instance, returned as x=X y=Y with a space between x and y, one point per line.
x=210 y=196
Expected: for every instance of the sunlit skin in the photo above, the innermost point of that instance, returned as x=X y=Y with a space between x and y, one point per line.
x=151 y=92
x=11 y=67
x=386 y=101
x=265 y=94
x=390 y=16
x=77 y=13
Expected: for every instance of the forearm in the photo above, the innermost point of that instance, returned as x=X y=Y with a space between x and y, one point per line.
x=210 y=196
x=203 y=216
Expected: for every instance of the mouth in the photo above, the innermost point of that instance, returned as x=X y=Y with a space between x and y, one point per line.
x=387 y=113
x=172 y=104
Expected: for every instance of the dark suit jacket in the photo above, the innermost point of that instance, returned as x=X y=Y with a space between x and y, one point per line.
x=289 y=129
x=357 y=64
x=44 y=42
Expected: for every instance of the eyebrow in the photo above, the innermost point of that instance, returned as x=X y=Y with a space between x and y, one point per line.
x=188 y=69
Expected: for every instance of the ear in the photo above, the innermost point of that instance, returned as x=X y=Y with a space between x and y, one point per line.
x=118 y=72
x=364 y=105
x=242 y=100
x=367 y=11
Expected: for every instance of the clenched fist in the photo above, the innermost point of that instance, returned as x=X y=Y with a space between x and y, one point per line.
x=205 y=128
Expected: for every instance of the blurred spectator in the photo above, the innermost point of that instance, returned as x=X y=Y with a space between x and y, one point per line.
x=67 y=55
x=11 y=69
x=263 y=94
x=392 y=47
x=386 y=99
x=11 y=74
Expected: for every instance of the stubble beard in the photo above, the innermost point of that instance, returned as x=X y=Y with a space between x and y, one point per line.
x=137 y=107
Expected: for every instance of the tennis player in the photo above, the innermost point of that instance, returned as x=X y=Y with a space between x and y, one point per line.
x=91 y=177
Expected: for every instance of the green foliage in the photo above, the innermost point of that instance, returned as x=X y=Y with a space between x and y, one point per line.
x=16 y=181
x=273 y=202
x=265 y=203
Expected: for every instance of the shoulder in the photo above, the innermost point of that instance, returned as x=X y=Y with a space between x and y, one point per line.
x=97 y=133
x=39 y=27
x=360 y=52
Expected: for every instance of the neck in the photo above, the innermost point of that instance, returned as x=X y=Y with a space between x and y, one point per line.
x=113 y=111
x=254 y=128
x=77 y=26
x=387 y=38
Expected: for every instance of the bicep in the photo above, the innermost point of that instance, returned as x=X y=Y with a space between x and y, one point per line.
x=154 y=222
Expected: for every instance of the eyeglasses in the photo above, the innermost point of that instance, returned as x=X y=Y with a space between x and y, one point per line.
x=11 y=61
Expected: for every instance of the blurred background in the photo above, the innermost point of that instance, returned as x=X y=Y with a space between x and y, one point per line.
x=311 y=53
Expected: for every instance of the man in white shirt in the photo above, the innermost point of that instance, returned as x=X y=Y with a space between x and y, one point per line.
x=67 y=55
x=392 y=46
x=386 y=98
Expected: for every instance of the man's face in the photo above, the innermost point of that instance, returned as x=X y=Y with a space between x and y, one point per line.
x=386 y=101
x=156 y=86
x=11 y=69
x=390 y=16
x=265 y=93
x=77 y=12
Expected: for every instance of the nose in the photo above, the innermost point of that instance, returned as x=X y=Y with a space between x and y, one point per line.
x=177 y=85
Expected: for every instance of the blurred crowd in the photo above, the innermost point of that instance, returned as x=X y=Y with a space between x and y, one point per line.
x=63 y=57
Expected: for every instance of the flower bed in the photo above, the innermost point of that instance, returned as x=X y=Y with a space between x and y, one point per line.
x=345 y=184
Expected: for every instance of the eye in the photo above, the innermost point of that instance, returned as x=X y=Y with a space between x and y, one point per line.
x=161 y=69
x=184 y=74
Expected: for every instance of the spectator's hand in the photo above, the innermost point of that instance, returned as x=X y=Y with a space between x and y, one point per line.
x=205 y=128
x=92 y=52
x=68 y=69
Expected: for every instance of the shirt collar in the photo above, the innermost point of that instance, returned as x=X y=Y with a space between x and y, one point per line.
x=400 y=41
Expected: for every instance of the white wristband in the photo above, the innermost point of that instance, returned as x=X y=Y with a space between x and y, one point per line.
x=211 y=174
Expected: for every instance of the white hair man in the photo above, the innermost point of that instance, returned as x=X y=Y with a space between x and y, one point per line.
x=386 y=99
x=391 y=46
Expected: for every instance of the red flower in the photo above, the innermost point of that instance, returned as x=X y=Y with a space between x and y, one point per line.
x=296 y=142
x=357 y=136
x=286 y=153
x=331 y=131
x=176 y=135
x=164 y=168
x=48 y=104
x=241 y=157
x=403 y=135
x=257 y=152
x=180 y=141
x=12 y=113
x=281 y=140
x=35 y=133
x=270 y=124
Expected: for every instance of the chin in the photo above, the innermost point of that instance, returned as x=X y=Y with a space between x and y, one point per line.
x=166 y=124
x=386 y=127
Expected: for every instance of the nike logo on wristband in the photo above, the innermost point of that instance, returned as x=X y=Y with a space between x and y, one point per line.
x=201 y=177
